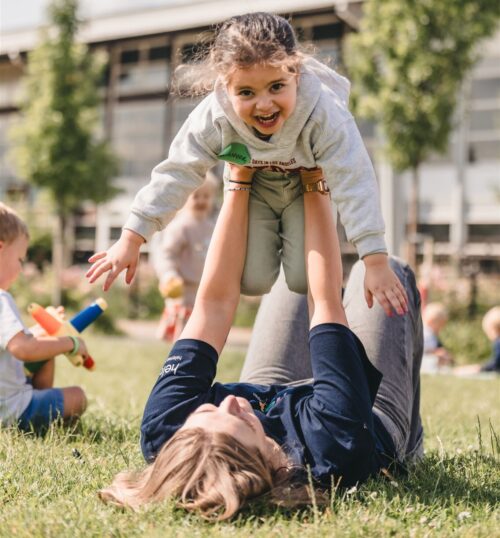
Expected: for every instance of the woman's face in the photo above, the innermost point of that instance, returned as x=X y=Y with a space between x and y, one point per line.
x=263 y=96
x=235 y=417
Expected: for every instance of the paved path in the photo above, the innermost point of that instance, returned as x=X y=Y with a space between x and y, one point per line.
x=146 y=330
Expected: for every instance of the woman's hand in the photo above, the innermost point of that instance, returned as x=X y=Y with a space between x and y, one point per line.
x=382 y=282
x=124 y=254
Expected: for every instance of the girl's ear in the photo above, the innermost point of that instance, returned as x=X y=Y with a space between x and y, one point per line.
x=2 y=244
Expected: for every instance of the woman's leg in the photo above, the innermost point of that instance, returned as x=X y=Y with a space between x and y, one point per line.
x=279 y=349
x=394 y=345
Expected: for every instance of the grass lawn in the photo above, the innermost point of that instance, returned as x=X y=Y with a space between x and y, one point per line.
x=49 y=484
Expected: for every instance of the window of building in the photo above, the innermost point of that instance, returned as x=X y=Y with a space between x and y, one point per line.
x=483 y=233
x=11 y=86
x=439 y=232
x=7 y=171
x=144 y=68
x=138 y=135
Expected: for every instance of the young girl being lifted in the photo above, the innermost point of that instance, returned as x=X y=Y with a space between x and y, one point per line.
x=280 y=118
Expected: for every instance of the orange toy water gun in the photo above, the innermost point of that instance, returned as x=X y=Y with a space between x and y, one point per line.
x=54 y=325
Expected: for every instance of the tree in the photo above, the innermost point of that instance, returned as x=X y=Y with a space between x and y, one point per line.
x=407 y=63
x=57 y=148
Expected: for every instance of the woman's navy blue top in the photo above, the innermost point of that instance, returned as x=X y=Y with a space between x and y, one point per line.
x=328 y=425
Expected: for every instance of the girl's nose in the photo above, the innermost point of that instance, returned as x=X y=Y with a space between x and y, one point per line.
x=264 y=104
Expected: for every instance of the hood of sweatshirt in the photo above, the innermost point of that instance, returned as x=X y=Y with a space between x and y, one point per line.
x=313 y=75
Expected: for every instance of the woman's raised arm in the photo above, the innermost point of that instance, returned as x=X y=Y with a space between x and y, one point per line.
x=219 y=290
x=323 y=261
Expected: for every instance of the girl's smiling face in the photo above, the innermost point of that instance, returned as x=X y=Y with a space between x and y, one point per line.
x=264 y=97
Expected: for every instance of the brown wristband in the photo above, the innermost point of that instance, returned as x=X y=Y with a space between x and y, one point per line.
x=311 y=176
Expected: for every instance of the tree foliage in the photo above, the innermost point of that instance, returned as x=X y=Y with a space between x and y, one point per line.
x=407 y=63
x=57 y=147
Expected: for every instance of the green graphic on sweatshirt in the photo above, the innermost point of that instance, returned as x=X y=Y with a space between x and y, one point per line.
x=235 y=153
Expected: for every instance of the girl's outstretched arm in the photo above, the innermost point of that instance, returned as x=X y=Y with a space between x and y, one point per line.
x=323 y=261
x=219 y=290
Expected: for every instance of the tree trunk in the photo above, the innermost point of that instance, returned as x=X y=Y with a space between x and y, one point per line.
x=413 y=211
x=57 y=258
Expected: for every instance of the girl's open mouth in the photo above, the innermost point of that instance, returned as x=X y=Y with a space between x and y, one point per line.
x=268 y=120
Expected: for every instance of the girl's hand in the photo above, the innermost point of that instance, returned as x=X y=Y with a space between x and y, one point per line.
x=124 y=254
x=382 y=282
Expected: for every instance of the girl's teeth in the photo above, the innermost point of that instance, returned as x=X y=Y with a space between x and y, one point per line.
x=268 y=118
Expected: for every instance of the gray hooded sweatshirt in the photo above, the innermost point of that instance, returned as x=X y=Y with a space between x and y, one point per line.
x=320 y=132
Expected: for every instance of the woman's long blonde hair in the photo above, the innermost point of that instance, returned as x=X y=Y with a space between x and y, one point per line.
x=208 y=472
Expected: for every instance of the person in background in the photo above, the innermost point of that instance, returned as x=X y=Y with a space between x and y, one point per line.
x=491 y=327
x=179 y=256
x=436 y=357
x=31 y=404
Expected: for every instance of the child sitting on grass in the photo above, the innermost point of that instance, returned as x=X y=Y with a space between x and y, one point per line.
x=491 y=327
x=180 y=255
x=436 y=357
x=31 y=404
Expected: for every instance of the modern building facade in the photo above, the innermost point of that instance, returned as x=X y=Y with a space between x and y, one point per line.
x=145 y=41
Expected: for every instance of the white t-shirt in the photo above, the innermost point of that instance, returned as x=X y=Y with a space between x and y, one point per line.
x=431 y=342
x=15 y=392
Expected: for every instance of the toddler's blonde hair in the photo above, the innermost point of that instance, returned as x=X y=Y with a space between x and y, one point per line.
x=11 y=225
x=435 y=312
x=491 y=321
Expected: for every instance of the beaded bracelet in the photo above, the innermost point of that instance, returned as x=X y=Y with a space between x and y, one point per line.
x=76 y=345
x=248 y=189
x=240 y=182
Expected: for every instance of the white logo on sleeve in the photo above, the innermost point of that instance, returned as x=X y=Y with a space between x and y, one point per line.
x=170 y=367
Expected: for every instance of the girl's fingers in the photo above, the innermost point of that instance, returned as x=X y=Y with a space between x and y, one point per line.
x=384 y=303
x=368 y=298
x=403 y=297
x=129 y=275
x=99 y=269
x=396 y=302
x=97 y=256
x=95 y=266
x=93 y=259
x=111 y=278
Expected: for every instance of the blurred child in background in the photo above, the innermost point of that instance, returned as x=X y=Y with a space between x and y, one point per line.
x=34 y=403
x=179 y=255
x=491 y=327
x=436 y=357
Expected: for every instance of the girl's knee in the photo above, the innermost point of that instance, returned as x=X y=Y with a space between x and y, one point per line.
x=257 y=284
x=296 y=281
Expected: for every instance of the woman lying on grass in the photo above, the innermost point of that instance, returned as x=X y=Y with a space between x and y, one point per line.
x=213 y=446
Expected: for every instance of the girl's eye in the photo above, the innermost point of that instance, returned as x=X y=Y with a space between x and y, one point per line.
x=245 y=93
x=277 y=87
